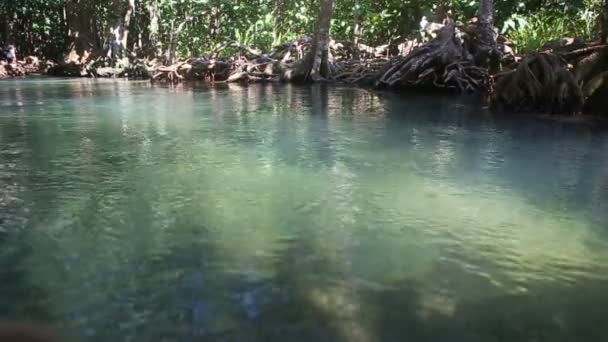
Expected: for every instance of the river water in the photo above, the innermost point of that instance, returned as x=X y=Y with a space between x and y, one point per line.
x=132 y=212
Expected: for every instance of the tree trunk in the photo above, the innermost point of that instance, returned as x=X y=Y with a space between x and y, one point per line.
x=320 y=47
x=357 y=30
x=153 y=28
x=82 y=30
x=171 y=53
x=487 y=54
x=279 y=11
x=441 y=13
x=127 y=23
x=605 y=23
x=10 y=17
x=214 y=21
x=119 y=34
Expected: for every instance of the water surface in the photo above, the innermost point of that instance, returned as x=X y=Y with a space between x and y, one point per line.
x=132 y=212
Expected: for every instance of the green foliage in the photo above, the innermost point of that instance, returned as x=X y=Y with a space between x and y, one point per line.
x=530 y=32
x=187 y=26
x=36 y=26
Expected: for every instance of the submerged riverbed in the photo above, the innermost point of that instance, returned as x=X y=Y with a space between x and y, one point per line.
x=279 y=213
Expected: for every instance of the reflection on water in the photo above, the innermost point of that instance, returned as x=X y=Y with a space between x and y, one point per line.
x=133 y=212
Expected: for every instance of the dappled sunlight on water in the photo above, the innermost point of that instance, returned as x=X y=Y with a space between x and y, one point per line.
x=296 y=213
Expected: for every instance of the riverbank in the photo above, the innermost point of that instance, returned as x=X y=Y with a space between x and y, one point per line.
x=28 y=66
x=567 y=77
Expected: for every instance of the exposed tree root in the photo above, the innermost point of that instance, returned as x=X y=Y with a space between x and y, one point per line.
x=591 y=70
x=29 y=65
x=568 y=76
x=359 y=71
x=248 y=65
x=286 y=62
x=597 y=101
x=104 y=67
x=219 y=70
x=442 y=63
x=541 y=82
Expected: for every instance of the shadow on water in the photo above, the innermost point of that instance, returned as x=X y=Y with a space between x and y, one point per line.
x=305 y=302
x=310 y=306
x=459 y=139
x=185 y=296
x=19 y=297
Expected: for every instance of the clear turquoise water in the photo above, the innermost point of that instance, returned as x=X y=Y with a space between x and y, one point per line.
x=131 y=212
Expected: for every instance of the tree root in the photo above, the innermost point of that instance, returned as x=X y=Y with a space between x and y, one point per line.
x=29 y=65
x=261 y=69
x=541 y=82
x=248 y=65
x=442 y=63
x=585 y=51
x=358 y=71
